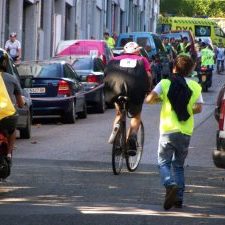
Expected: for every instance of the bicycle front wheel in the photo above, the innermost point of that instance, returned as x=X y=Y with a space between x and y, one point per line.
x=133 y=161
x=117 y=152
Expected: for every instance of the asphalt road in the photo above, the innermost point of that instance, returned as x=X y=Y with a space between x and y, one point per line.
x=63 y=176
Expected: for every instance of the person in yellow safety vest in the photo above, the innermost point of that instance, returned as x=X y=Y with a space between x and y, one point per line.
x=181 y=98
x=207 y=60
x=109 y=40
x=207 y=56
x=184 y=47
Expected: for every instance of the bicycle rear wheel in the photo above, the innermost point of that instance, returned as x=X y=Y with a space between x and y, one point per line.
x=133 y=161
x=117 y=152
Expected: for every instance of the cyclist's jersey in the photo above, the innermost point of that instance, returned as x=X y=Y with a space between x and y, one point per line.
x=135 y=57
x=126 y=75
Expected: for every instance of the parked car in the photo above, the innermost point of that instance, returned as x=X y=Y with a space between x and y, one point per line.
x=219 y=152
x=91 y=72
x=178 y=35
x=56 y=89
x=25 y=113
x=85 y=47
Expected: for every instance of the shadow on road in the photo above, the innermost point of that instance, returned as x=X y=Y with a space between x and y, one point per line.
x=70 y=192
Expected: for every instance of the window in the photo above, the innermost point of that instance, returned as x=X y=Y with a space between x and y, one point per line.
x=83 y=64
x=98 y=65
x=145 y=43
x=38 y=70
x=158 y=44
x=219 y=32
x=69 y=72
x=123 y=41
x=202 y=31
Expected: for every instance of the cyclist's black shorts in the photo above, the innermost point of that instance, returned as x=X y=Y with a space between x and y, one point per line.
x=8 y=124
x=130 y=82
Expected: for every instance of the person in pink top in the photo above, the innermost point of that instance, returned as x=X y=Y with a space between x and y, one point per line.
x=128 y=74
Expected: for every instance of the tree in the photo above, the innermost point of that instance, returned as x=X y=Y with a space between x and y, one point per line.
x=209 y=8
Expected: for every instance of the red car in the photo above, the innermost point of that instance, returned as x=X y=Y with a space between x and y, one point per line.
x=85 y=47
x=219 y=153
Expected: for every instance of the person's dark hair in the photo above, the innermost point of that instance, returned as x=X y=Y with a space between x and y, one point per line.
x=106 y=33
x=184 y=65
x=3 y=59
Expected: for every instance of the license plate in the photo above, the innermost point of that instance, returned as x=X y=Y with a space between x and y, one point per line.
x=40 y=90
x=203 y=78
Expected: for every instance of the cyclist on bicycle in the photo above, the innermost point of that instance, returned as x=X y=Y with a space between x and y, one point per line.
x=8 y=124
x=128 y=75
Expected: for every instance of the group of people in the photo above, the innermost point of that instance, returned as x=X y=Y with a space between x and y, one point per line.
x=181 y=98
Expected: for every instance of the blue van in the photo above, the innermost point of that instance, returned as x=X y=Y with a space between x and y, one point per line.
x=149 y=41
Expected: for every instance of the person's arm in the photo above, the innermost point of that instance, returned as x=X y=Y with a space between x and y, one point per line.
x=6 y=46
x=152 y=98
x=197 y=108
x=18 y=94
x=20 y=101
x=19 y=51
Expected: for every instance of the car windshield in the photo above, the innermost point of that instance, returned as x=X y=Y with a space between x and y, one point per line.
x=40 y=70
x=83 y=64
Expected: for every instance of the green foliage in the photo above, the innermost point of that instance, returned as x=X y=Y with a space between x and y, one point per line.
x=210 y=8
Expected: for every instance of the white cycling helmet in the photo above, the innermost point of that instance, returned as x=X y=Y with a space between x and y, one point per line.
x=131 y=47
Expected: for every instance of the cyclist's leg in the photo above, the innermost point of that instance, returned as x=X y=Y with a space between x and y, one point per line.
x=135 y=123
x=118 y=114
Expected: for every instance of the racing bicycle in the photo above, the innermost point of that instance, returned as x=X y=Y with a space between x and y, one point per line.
x=120 y=147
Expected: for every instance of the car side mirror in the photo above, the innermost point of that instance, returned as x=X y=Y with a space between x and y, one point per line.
x=26 y=81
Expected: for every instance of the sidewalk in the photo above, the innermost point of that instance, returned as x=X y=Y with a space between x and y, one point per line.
x=68 y=192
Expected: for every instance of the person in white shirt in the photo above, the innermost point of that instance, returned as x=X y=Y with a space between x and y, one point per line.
x=220 y=56
x=13 y=47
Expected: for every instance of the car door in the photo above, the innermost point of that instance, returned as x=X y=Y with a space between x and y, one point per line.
x=77 y=87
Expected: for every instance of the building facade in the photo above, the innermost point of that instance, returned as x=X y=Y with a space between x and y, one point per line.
x=41 y=24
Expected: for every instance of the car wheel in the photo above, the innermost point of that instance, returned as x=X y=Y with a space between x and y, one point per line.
x=70 y=116
x=25 y=133
x=83 y=114
x=100 y=108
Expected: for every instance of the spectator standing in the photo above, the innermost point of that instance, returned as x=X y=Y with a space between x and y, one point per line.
x=220 y=55
x=109 y=40
x=13 y=47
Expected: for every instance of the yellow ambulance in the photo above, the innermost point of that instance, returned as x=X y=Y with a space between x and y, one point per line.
x=200 y=27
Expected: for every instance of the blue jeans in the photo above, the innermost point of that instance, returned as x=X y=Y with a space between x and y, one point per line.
x=172 y=151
